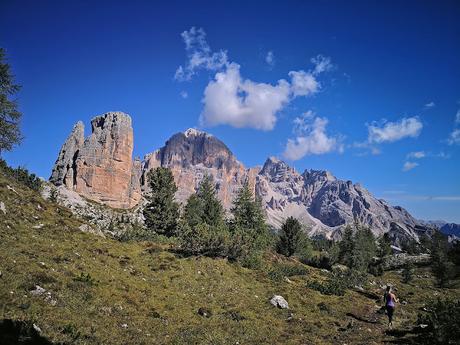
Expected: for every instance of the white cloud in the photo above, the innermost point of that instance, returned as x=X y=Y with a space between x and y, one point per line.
x=233 y=100
x=457 y=117
x=430 y=105
x=184 y=94
x=409 y=166
x=454 y=137
x=311 y=139
x=303 y=83
x=416 y=154
x=199 y=55
x=270 y=59
x=230 y=99
x=322 y=64
x=394 y=131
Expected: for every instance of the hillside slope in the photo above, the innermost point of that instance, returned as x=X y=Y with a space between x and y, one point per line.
x=100 y=291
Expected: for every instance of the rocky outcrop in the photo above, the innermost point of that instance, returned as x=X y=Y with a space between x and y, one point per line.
x=64 y=169
x=100 y=167
x=326 y=204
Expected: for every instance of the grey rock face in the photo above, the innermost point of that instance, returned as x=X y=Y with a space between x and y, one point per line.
x=326 y=204
x=64 y=169
x=192 y=155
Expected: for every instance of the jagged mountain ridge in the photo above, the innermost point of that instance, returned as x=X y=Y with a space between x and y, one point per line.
x=317 y=198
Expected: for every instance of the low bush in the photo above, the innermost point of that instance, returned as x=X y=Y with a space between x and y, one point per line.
x=21 y=175
x=443 y=320
x=281 y=270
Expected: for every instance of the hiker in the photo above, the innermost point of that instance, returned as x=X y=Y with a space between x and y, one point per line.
x=390 y=299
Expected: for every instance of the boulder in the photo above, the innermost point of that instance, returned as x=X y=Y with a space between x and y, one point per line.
x=279 y=301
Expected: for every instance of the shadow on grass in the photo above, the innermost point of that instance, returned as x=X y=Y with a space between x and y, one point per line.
x=14 y=332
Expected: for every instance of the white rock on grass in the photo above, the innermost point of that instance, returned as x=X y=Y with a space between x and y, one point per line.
x=37 y=291
x=279 y=301
x=2 y=207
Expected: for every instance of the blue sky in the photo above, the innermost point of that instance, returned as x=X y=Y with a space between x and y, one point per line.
x=368 y=90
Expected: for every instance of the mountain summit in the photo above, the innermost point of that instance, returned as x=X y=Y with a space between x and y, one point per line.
x=101 y=168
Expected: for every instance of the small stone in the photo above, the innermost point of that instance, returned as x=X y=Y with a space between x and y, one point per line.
x=404 y=302
x=39 y=226
x=38 y=291
x=36 y=328
x=2 y=207
x=279 y=301
x=124 y=325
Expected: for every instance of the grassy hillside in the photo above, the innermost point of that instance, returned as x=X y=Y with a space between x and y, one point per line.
x=101 y=291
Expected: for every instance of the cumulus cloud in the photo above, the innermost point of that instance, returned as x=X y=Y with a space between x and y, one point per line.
x=409 y=166
x=394 y=131
x=312 y=138
x=322 y=64
x=303 y=83
x=270 y=59
x=184 y=94
x=230 y=99
x=416 y=154
x=199 y=55
x=234 y=100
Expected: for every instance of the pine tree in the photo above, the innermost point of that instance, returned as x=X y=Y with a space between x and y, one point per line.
x=10 y=116
x=346 y=246
x=440 y=264
x=212 y=210
x=248 y=216
x=161 y=212
x=364 y=249
x=385 y=245
x=193 y=211
x=408 y=272
x=290 y=237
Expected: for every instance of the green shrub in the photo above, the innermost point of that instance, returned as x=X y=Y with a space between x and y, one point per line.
x=204 y=239
x=281 y=270
x=408 y=273
x=339 y=282
x=21 y=175
x=443 y=320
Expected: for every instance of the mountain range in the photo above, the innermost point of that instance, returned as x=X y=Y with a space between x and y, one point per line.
x=101 y=168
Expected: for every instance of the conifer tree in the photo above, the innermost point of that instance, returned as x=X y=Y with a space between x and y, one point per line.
x=440 y=264
x=212 y=211
x=161 y=212
x=248 y=216
x=364 y=249
x=385 y=245
x=193 y=211
x=10 y=116
x=290 y=237
x=346 y=246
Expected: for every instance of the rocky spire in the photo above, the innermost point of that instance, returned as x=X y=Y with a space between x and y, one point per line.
x=64 y=169
x=101 y=167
